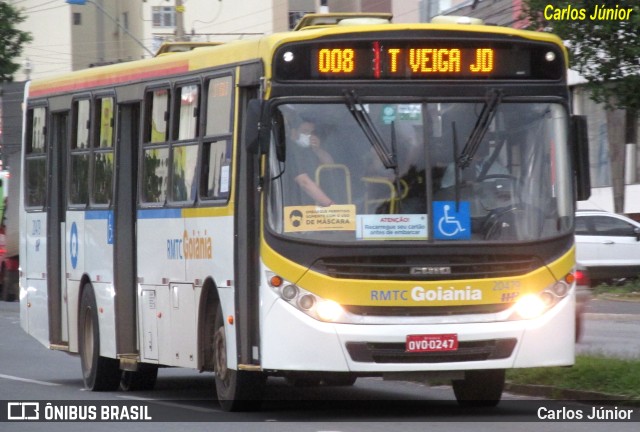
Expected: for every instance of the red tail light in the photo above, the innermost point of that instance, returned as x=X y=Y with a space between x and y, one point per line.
x=582 y=277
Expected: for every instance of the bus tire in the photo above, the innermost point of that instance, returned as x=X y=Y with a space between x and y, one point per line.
x=142 y=379
x=480 y=388
x=236 y=390
x=98 y=373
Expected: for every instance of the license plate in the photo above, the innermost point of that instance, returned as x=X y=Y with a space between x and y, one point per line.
x=432 y=343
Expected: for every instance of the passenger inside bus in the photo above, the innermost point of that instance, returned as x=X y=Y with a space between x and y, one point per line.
x=308 y=154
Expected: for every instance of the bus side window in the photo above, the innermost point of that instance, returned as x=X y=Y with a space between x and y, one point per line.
x=184 y=157
x=35 y=160
x=215 y=175
x=155 y=167
x=186 y=112
x=103 y=178
x=185 y=160
x=79 y=167
x=157 y=116
x=219 y=104
x=102 y=191
x=216 y=170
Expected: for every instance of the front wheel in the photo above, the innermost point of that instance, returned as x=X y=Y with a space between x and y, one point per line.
x=99 y=373
x=480 y=388
x=237 y=390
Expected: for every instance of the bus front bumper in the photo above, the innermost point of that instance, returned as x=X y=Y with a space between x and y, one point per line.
x=291 y=340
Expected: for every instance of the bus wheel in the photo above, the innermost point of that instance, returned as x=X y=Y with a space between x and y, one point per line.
x=99 y=373
x=142 y=379
x=237 y=390
x=479 y=388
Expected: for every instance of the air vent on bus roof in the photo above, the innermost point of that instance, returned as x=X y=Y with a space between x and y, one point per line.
x=456 y=19
x=347 y=18
x=176 y=47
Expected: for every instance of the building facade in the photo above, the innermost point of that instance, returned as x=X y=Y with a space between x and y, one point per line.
x=76 y=34
x=507 y=13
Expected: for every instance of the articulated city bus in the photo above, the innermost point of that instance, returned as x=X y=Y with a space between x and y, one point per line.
x=351 y=199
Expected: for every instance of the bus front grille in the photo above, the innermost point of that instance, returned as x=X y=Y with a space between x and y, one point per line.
x=426 y=268
x=375 y=352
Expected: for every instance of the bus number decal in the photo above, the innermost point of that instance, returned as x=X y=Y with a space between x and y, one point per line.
x=36 y=227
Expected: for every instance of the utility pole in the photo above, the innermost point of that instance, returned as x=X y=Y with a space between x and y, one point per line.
x=179 y=20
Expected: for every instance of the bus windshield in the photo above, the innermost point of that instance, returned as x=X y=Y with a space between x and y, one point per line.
x=487 y=170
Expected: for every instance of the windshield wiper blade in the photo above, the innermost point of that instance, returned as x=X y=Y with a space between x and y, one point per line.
x=482 y=125
x=369 y=128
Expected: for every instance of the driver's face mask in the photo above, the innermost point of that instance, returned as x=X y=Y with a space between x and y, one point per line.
x=304 y=140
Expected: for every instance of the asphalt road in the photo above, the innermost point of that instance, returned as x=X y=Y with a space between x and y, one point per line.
x=28 y=371
x=611 y=329
x=603 y=306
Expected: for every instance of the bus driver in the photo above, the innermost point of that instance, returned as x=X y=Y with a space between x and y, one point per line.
x=308 y=154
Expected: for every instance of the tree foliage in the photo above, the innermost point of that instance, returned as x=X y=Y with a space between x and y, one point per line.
x=12 y=40
x=606 y=52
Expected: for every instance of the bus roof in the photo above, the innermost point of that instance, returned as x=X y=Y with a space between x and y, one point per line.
x=209 y=56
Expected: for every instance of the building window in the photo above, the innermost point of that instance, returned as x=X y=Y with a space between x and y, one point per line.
x=77 y=18
x=125 y=20
x=163 y=16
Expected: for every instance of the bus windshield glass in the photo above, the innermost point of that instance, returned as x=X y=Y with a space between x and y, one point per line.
x=486 y=170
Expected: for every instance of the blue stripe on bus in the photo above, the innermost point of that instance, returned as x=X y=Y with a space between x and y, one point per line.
x=96 y=214
x=159 y=213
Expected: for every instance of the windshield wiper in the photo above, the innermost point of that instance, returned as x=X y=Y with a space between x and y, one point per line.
x=363 y=119
x=482 y=125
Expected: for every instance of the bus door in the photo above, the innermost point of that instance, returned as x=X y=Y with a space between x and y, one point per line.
x=124 y=241
x=56 y=243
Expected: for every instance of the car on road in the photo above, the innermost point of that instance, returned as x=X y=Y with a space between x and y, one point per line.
x=607 y=245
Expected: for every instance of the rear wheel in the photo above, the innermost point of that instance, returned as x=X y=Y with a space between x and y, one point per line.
x=480 y=388
x=237 y=390
x=99 y=373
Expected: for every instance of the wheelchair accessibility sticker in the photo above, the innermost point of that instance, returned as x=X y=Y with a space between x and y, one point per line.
x=451 y=220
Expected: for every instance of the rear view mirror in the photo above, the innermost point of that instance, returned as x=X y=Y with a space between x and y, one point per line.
x=580 y=141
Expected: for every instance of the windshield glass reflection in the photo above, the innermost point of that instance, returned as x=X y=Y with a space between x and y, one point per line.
x=482 y=171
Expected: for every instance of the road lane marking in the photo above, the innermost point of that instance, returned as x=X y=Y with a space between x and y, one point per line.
x=171 y=404
x=27 y=380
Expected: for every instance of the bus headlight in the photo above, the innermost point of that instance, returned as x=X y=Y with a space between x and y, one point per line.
x=289 y=292
x=305 y=301
x=530 y=306
x=329 y=310
x=533 y=305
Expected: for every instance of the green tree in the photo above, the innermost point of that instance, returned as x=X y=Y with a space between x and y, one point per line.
x=606 y=52
x=12 y=40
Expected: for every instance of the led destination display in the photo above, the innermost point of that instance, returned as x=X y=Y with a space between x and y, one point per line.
x=410 y=60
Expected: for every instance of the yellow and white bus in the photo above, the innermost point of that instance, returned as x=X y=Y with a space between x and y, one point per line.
x=354 y=198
